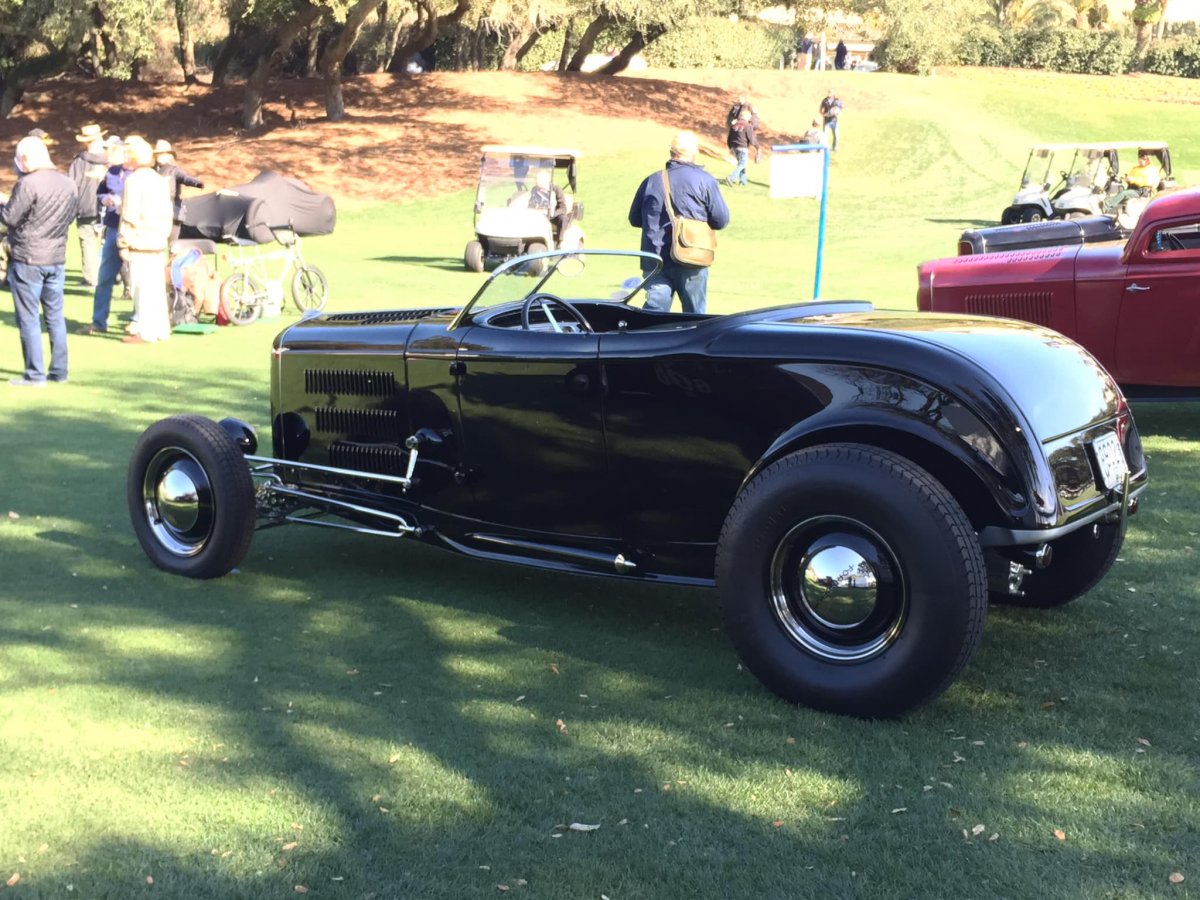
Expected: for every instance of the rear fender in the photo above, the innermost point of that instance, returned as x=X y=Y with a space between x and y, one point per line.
x=951 y=443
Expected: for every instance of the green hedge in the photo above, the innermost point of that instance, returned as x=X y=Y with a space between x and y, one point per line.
x=1179 y=56
x=1057 y=49
x=721 y=44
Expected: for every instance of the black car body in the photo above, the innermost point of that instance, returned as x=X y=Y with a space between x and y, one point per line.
x=853 y=481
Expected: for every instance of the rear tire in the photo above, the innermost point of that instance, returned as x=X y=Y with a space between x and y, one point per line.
x=473 y=256
x=242 y=299
x=1009 y=216
x=1032 y=214
x=1079 y=562
x=191 y=498
x=851 y=581
x=538 y=266
x=310 y=289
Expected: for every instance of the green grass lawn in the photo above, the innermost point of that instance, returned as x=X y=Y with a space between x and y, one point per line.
x=352 y=718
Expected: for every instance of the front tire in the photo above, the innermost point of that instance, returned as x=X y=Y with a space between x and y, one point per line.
x=851 y=581
x=191 y=498
x=310 y=289
x=473 y=256
x=1032 y=214
x=1079 y=562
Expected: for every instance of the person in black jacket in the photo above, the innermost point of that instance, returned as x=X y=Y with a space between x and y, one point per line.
x=165 y=165
x=740 y=139
x=38 y=216
x=87 y=170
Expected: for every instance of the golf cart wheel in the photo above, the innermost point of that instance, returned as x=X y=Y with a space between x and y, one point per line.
x=538 y=266
x=191 y=498
x=242 y=299
x=1009 y=216
x=473 y=256
x=1032 y=214
x=851 y=581
x=310 y=289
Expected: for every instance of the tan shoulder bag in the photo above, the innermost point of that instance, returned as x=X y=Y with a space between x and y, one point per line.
x=693 y=243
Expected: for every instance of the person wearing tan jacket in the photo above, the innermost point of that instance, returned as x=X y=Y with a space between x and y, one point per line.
x=147 y=217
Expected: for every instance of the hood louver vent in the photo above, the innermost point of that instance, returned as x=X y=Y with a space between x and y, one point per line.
x=390 y=317
x=345 y=381
x=376 y=458
x=380 y=424
x=1029 y=306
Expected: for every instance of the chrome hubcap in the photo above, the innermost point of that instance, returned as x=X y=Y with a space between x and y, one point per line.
x=178 y=500
x=837 y=589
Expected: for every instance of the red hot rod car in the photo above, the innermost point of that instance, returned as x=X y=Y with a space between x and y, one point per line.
x=1134 y=304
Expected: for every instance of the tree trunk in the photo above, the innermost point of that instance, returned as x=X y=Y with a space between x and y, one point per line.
x=587 y=41
x=256 y=85
x=425 y=32
x=229 y=49
x=621 y=61
x=521 y=44
x=564 y=55
x=335 y=54
x=187 y=44
x=11 y=96
x=312 y=42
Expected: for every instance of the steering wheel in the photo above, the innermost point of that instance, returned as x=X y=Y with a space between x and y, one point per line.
x=548 y=300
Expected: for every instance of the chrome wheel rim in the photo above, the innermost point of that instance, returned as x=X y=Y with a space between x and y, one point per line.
x=178 y=500
x=837 y=589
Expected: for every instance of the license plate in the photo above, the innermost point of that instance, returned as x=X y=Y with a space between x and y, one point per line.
x=1110 y=459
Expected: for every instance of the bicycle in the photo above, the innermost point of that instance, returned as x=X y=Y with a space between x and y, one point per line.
x=252 y=288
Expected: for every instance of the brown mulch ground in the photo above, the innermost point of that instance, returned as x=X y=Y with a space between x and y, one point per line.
x=397 y=123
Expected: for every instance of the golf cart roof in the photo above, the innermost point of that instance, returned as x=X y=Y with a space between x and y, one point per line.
x=1101 y=146
x=561 y=154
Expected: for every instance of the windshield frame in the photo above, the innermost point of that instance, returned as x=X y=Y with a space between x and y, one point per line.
x=553 y=260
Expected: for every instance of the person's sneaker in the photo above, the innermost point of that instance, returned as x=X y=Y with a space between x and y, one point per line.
x=134 y=339
x=57 y=379
x=90 y=329
x=26 y=382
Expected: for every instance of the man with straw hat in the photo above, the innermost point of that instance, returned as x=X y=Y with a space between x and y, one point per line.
x=87 y=170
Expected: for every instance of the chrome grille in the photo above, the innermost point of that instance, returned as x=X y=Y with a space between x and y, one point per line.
x=383 y=424
x=364 y=383
x=378 y=458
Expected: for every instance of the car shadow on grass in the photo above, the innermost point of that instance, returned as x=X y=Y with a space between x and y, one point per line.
x=450 y=264
x=431 y=722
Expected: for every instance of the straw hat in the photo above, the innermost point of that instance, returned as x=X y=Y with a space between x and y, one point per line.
x=162 y=148
x=89 y=133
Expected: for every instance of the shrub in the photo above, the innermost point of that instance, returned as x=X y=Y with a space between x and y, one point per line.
x=1057 y=49
x=985 y=46
x=1179 y=56
x=721 y=44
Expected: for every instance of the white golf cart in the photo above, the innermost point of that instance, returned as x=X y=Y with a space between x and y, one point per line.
x=1090 y=185
x=526 y=203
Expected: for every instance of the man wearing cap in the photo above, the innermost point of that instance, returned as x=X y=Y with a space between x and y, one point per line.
x=38 y=216
x=87 y=170
x=695 y=195
x=177 y=178
x=108 y=195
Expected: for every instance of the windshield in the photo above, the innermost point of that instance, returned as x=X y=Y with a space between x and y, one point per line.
x=613 y=276
x=504 y=177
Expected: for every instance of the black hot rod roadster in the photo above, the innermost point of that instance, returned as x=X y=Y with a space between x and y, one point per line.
x=854 y=482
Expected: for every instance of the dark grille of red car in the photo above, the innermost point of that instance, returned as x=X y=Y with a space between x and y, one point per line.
x=1029 y=306
x=346 y=381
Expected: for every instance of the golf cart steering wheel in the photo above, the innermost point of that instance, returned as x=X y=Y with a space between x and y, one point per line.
x=546 y=301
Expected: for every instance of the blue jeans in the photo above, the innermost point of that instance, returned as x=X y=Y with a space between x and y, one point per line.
x=110 y=268
x=831 y=125
x=738 y=174
x=33 y=285
x=689 y=282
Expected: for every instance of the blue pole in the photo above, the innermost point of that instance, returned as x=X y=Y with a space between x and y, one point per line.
x=821 y=223
x=824 y=151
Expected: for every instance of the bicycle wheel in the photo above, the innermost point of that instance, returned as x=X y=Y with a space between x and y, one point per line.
x=242 y=299
x=310 y=288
